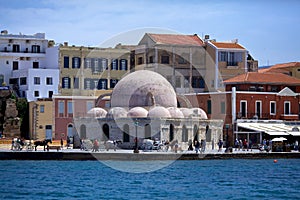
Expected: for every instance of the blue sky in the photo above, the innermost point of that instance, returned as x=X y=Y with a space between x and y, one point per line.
x=268 y=29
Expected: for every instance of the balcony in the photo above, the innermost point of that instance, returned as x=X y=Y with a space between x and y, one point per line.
x=21 y=54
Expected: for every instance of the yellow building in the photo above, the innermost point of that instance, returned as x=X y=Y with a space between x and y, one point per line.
x=91 y=71
x=41 y=119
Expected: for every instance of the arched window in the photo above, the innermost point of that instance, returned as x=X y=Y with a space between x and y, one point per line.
x=105 y=130
x=184 y=134
x=171 y=138
x=147 y=131
x=126 y=133
x=83 y=131
x=195 y=133
x=70 y=130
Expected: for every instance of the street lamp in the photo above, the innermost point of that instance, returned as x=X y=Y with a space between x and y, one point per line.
x=227 y=142
x=136 y=149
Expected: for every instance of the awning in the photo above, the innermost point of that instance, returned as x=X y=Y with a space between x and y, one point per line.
x=270 y=128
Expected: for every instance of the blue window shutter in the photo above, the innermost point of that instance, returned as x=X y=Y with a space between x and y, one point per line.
x=66 y=61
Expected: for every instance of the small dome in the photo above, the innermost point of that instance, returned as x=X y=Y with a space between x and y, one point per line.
x=97 y=113
x=143 y=88
x=117 y=112
x=137 y=112
x=175 y=112
x=186 y=112
x=159 y=111
x=199 y=113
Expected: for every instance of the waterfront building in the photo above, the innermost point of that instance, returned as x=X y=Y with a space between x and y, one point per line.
x=252 y=96
x=41 y=119
x=29 y=65
x=192 y=64
x=144 y=105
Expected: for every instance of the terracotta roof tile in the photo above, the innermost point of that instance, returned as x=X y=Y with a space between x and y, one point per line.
x=176 y=39
x=281 y=68
x=227 y=45
x=263 y=78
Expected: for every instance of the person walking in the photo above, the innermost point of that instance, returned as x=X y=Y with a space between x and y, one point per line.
x=220 y=144
x=197 y=146
x=61 y=143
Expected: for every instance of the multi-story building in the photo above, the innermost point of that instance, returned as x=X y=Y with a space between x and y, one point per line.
x=227 y=60
x=85 y=74
x=41 y=119
x=190 y=63
x=28 y=65
x=291 y=69
x=252 y=96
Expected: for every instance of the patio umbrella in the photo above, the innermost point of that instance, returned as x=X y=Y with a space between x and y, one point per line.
x=279 y=139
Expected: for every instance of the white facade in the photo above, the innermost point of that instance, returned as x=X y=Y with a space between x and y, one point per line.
x=28 y=65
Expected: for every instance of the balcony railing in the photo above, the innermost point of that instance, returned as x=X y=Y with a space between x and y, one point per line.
x=266 y=116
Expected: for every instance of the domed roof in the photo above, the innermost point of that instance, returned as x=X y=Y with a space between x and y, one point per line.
x=186 y=112
x=199 y=113
x=137 y=112
x=143 y=88
x=175 y=112
x=117 y=112
x=159 y=111
x=97 y=112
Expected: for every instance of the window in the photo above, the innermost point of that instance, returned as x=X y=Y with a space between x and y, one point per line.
x=87 y=63
x=208 y=106
x=49 y=81
x=66 y=82
x=36 y=94
x=102 y=84
x=223 y=56
x=140 y=60
x=37 y=81
x=114 y=64
x=23 y=81
x=42 y=108
x=35 y=65
x=258 y=108
x=151 y=60
x=184 y=134
x=287 y=107
x=16 y=48
x=35 y=49
x=70 y=107
x=15 y=65
x=243 y=108
x=223 y=108
x=76 y=83
x=272 y=107
x=87 y=84
x=123 y=63
x=113 y=83
x=104 y=64
x=50 y=94
x=76 y=62
x=165 y=60
x=66 y=61
x=1 y=79
x=61 y=107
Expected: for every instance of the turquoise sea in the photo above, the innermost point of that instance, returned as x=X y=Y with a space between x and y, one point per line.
x=202 y=179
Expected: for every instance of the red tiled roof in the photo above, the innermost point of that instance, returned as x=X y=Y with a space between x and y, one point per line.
x=281 y=68
x=228 y=45
x=263 y=78
x=176 y=39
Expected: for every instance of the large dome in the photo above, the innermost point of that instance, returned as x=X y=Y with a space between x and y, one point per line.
x=143 y=88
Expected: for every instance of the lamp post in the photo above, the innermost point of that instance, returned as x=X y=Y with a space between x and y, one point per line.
x=136 y=149
x=227 y=143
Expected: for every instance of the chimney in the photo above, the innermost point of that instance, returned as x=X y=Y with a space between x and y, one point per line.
x=65 y=44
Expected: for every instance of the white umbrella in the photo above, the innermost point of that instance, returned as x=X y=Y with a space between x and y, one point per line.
x=280 y=139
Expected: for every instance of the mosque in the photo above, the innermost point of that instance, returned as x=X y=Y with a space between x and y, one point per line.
x=144 y=105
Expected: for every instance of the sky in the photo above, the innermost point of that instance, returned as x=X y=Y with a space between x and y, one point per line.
x=268 y=29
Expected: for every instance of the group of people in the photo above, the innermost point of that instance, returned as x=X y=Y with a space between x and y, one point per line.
x=199 y=146
x=242 y=144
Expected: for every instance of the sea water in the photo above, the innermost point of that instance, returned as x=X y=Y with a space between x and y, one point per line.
x=199 y=179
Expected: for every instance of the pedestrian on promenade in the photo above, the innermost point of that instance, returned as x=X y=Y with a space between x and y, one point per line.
x=220 y=144
x=68 y=142
x=61 y=143
x=176 y=146
x=245 y=145
x=190 y=145
x=236 y=144
x=197 y=145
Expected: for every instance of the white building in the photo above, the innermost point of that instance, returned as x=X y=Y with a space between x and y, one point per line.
x=28 y=65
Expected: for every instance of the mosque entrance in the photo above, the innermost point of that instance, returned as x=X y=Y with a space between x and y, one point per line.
x=105 y=129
